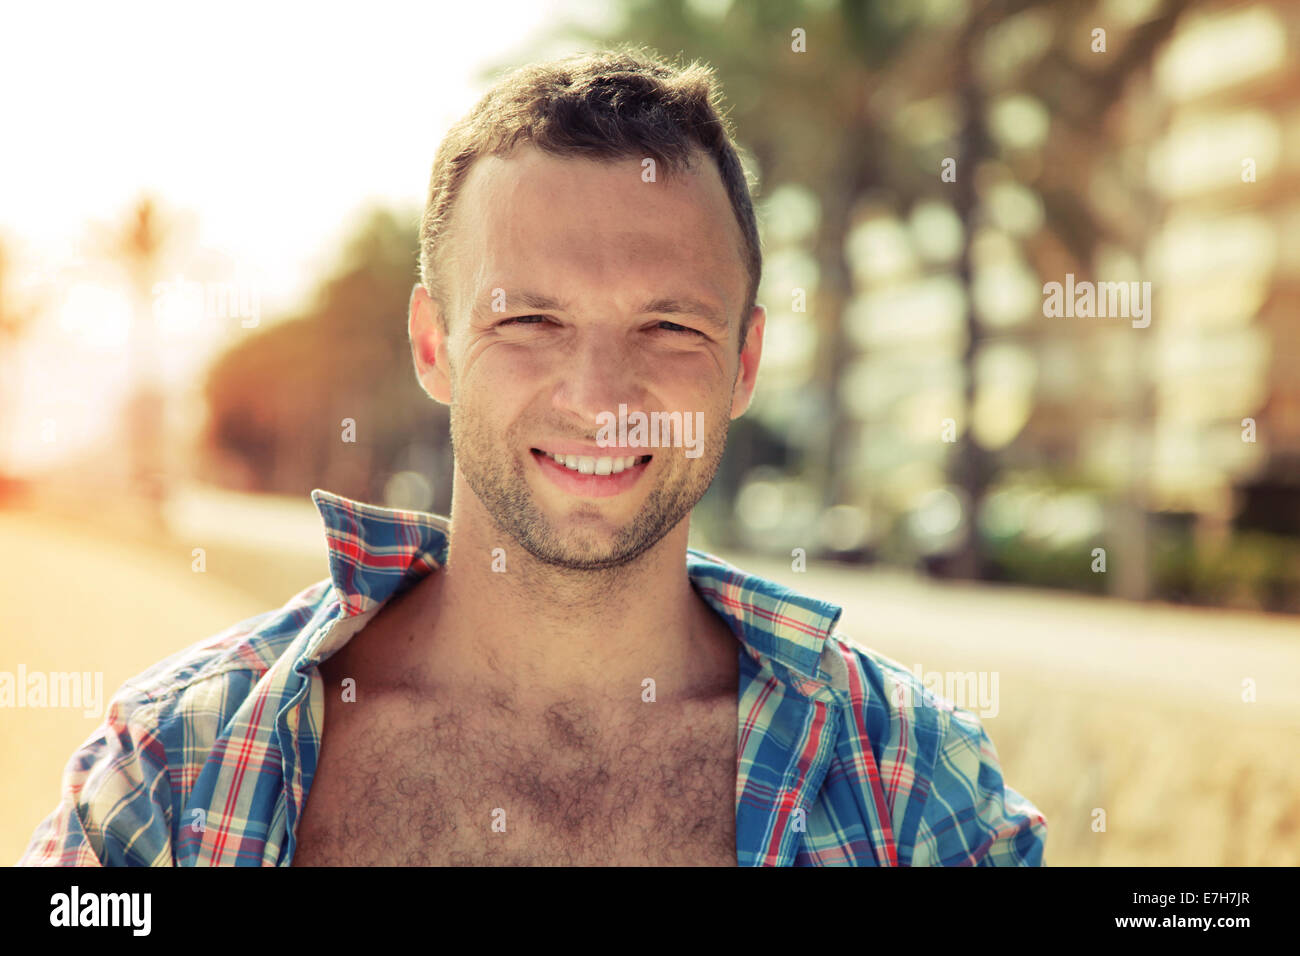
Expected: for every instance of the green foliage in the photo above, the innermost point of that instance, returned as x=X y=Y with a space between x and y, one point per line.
x=1248 y=570
x=1252 y=570
x=1026 y=562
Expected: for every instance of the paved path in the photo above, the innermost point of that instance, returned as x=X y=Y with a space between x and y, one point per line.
x=77 y=601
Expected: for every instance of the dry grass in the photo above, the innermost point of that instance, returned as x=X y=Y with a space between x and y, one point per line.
x=1180 y=785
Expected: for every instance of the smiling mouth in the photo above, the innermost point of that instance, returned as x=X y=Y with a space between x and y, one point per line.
x=589 y=465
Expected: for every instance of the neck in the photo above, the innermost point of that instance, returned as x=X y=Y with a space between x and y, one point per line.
x=538 y=631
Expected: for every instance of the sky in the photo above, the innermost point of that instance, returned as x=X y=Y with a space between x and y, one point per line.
x=262 y=129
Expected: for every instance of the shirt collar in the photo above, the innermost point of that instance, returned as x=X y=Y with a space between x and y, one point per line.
x=376 y=552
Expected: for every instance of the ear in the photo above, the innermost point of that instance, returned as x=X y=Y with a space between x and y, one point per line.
x=429 y=345
x=747 y=373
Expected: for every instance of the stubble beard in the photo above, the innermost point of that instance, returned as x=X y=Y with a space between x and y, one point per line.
x=497 y=477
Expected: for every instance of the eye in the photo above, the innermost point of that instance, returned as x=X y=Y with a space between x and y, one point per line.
x=680 y=328
x=524 y=320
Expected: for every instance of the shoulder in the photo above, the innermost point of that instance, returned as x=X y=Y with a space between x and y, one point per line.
x=247 y=647
x=892 y=716
x=123 y=789
x=937 y=767
x=182 y=702
x=892 y=701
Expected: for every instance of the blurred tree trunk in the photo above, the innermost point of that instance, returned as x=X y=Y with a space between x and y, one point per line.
x=971 y=467
x=140 y=247
x=838 y=195
x=15 y=323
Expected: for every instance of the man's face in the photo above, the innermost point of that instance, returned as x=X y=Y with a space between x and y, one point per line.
x=578 y=287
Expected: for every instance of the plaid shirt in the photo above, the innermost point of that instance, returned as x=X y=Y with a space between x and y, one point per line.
x=843 y=756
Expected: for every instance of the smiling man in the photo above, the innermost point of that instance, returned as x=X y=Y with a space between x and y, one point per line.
x=550 y=675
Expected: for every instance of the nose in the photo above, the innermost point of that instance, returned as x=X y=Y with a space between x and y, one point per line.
x=600 y=373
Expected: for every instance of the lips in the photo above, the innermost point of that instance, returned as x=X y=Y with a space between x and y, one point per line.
x=591 y=483
x=593 y=464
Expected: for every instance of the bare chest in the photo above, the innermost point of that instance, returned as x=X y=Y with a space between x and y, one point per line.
x=402 y=781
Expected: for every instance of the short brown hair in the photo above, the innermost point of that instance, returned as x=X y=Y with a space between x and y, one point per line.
x=615 y=104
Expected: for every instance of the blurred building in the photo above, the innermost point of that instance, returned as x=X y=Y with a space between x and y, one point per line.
x=1224 y=167
x=1166 y=154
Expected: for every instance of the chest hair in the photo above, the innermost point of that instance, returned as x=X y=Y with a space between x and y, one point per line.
x=403 y=781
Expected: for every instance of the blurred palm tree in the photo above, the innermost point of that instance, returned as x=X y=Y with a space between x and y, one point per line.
x=137 y=246
x=16 y=322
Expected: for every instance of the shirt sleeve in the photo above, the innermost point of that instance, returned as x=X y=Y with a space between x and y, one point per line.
x=115 y=800
x=970 y=817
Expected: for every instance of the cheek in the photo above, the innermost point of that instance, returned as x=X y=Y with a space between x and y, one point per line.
x=506 y=367
x=700 y=388
x=499 y=393
x=497 y=377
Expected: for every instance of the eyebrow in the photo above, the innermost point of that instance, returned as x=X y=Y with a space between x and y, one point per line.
x=664 y=305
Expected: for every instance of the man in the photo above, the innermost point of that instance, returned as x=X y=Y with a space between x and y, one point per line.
x=551 y=675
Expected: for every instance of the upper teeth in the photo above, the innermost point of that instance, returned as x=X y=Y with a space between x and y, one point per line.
x=594 y=466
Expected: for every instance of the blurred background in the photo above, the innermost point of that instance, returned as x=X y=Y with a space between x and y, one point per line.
x=208 y=240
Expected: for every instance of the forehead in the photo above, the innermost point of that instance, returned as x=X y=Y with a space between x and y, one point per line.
x=576 y=224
